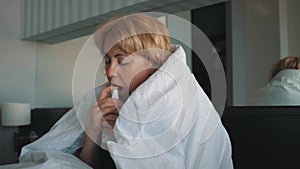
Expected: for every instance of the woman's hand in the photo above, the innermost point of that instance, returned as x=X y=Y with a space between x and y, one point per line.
x=103 y=118
x=104 y=114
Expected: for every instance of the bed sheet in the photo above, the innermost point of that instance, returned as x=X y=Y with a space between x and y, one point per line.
x=46 y=160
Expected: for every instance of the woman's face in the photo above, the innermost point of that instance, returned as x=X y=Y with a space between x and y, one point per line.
x=125 y=71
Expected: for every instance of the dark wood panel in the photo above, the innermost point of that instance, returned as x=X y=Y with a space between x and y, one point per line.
x=41 y=121
x=211 y=20
x=264 y=137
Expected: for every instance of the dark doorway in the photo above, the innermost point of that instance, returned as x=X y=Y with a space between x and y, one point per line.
x=211 y=21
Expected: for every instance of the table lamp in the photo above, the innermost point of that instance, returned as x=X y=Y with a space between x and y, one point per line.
x=16 y=114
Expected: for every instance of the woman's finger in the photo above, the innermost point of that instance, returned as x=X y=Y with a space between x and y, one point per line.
x=108 y=124
x=107 y=110
x=109 y=119
x=111 y=116
x=108 y=102
x=106 y=91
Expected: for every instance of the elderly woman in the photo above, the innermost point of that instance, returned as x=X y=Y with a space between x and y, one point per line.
x=179 y=128
x=152 y=113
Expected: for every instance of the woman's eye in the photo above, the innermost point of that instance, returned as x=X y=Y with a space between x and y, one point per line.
x=124 y=62
x=107 y=62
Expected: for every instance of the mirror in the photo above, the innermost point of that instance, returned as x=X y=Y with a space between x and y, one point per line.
x=250 y=36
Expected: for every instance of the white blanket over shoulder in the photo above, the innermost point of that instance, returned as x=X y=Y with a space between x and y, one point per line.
x=283 y=90
x=168 y=122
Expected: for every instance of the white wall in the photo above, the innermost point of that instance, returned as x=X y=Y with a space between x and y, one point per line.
x=289 y=27
x=17 y=70
x=17 y=58
x=283 y=28
x=293 y=27
x=55 y=65
x=238 y=52
x=256 y=45
x=262 y=42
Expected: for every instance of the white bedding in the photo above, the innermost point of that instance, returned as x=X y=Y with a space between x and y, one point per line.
x=48 y=159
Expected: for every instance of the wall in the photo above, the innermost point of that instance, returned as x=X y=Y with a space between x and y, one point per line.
x=255 y=44
x=293 y=27
x=17 y=70
x=238 y=52
x=55 y=65
x=17 y=59
x=262 y=42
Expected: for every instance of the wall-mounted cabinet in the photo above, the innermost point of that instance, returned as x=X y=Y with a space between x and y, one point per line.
x=53 y=21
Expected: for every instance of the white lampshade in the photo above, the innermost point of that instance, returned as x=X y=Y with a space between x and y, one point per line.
x=16 y=114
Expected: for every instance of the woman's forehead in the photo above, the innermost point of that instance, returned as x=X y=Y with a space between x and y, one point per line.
x=112 y=50
x=108 y=45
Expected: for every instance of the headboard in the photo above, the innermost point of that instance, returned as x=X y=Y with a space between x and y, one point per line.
x=264 y=137
x=42 y=119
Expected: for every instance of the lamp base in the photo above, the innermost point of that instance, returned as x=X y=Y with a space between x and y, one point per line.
x=16 y=135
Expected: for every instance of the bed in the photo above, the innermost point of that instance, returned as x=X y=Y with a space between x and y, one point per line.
x=262 y=137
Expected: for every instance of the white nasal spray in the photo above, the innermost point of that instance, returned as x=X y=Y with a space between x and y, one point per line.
x=105 y=138
x=115 y=94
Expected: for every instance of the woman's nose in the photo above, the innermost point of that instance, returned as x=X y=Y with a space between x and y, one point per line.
x=111 y=70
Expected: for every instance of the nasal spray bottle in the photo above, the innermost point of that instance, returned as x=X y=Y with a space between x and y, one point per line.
x=105 y=137
x=115 y=94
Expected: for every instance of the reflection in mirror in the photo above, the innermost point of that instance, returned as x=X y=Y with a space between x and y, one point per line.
x=283 y=87
x=255 y=34
x=263 y=32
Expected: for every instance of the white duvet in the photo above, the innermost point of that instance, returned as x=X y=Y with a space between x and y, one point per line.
x=183 y=130
x=48 y=159
x=282 y=90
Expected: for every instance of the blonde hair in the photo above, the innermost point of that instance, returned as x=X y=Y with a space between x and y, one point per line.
x=290 y=62
x=134 y=33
